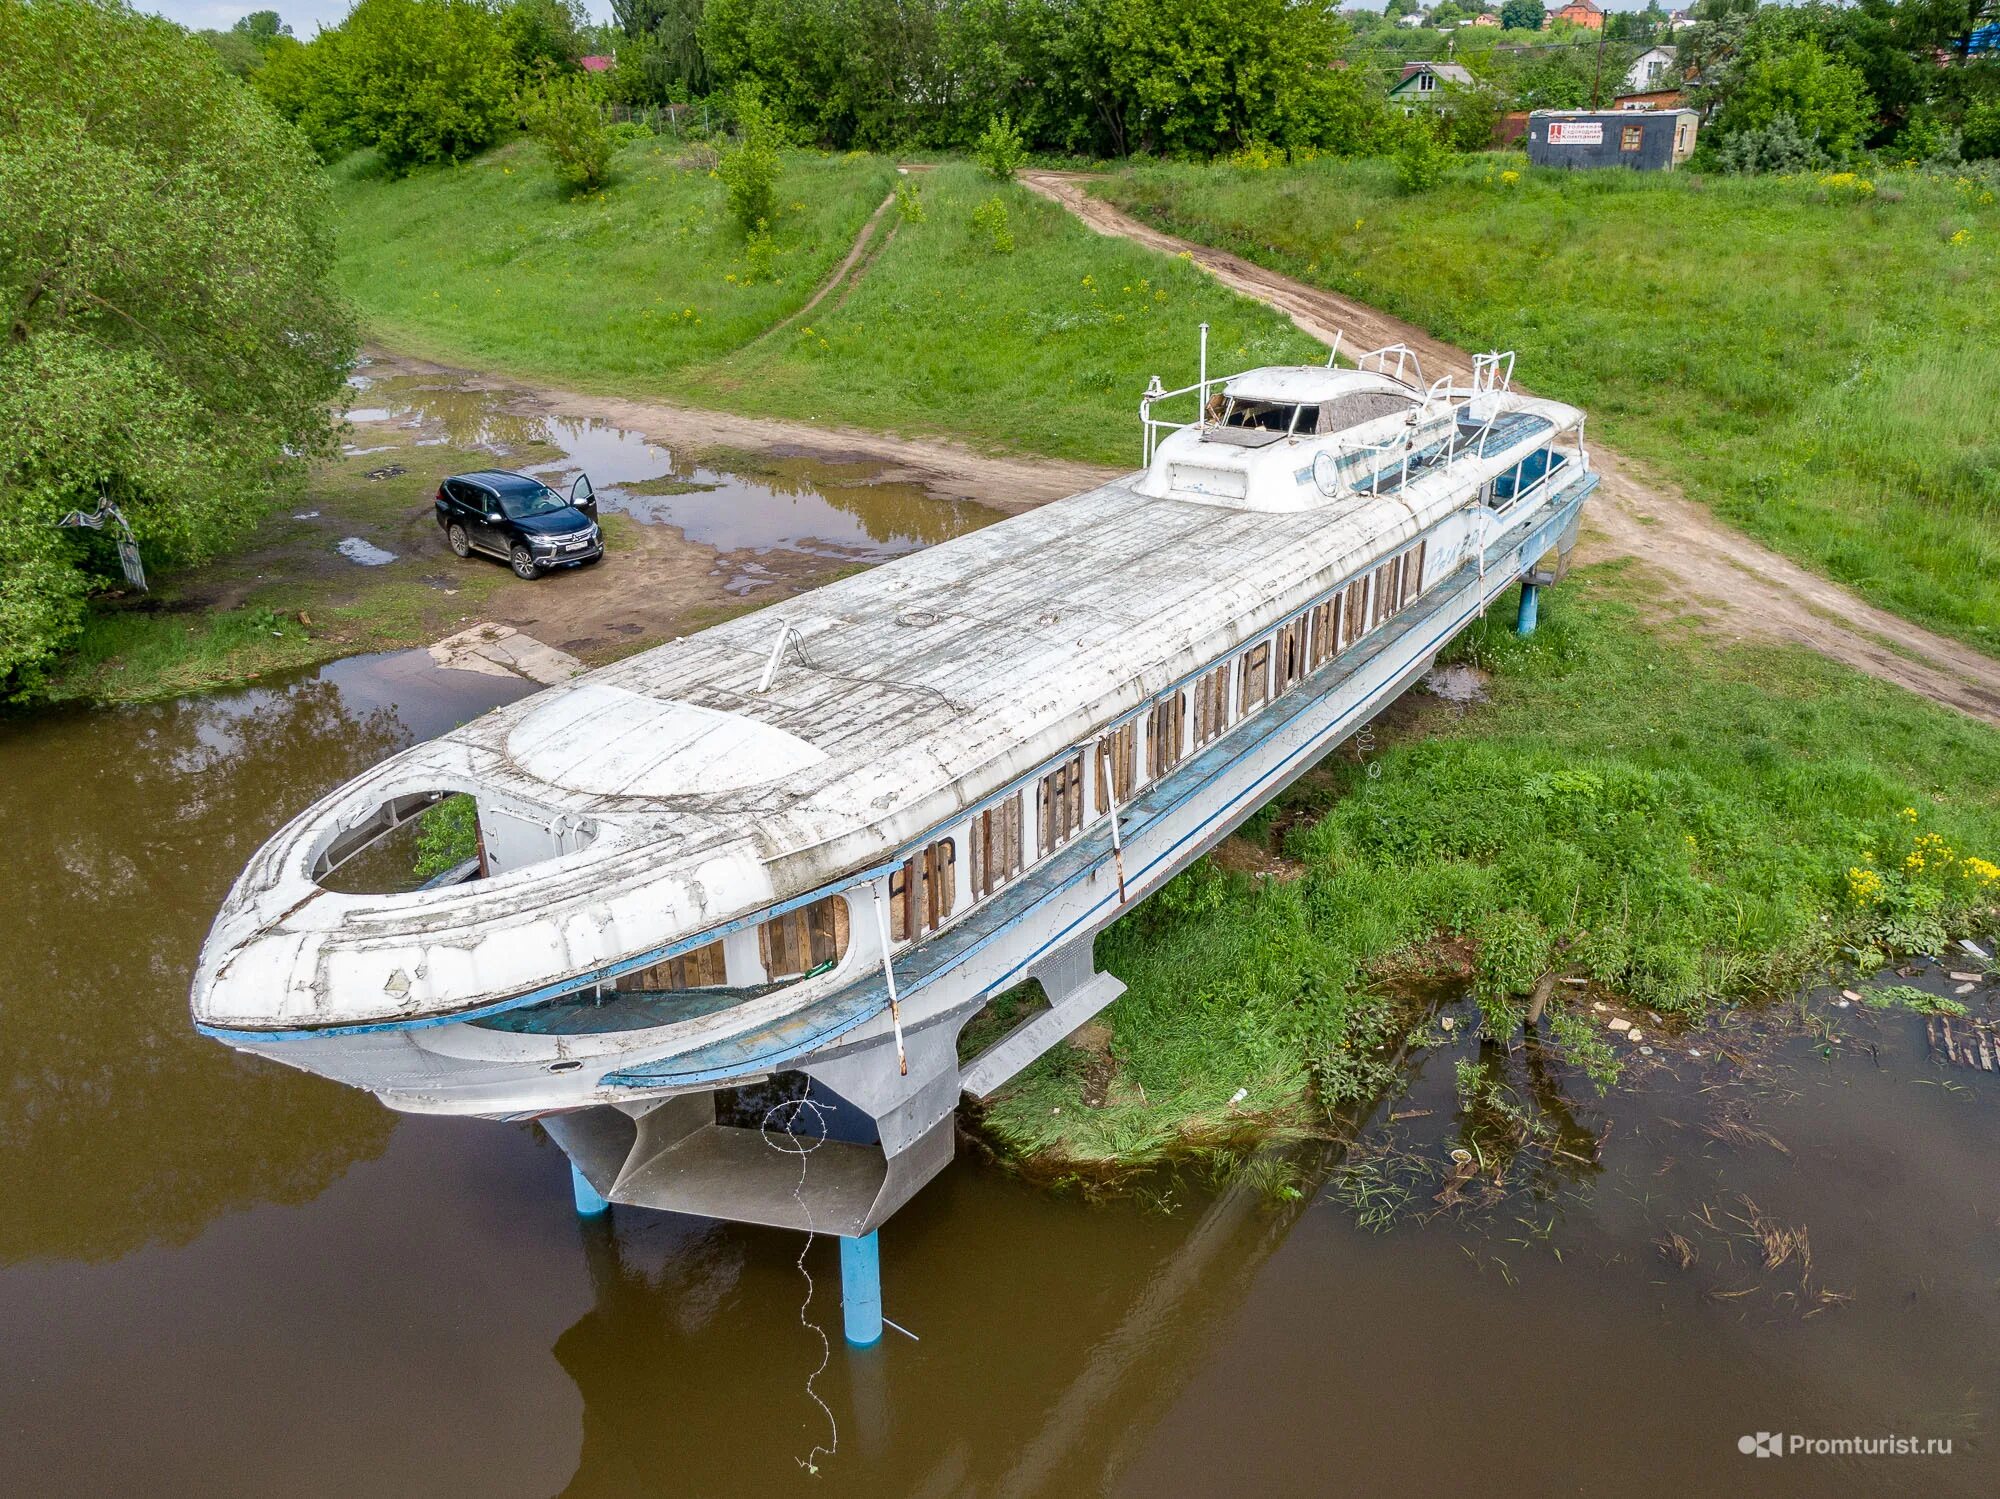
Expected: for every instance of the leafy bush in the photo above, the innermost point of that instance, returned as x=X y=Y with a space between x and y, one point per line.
x=563 y=115
x=1979 y=131
x=909 y=201
x=1422 y=159
x=989 y=222
x=447 y=835
x=176 y=342
x=749 y=170
x=999 y=149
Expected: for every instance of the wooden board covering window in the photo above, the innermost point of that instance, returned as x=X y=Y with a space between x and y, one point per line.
x=996 y=846
x=700 y=969
x=1256 y=681
x=1062 y=803
x=1211 y=705
x=1118 y=751
x=1385 y=590
x=1326 y=632
x=922 y=891
x=807 y=938
x=1291 y=654
x=1163 y=734
x=1357 y=613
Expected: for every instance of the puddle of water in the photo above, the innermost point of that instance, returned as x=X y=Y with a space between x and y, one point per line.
x=355 y=549
x=803 y=506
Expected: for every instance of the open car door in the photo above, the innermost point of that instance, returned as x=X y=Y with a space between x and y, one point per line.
x=583 y=496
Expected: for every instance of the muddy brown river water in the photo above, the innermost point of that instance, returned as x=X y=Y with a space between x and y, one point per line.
x=218 y=1277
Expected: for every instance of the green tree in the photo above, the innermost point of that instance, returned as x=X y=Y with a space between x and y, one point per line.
x=1523 y=15
x=543 y=36
x=421 y=81
x=1828 y=101
x=174 y=341
x=565 y=116
x=749 y=169
x=999 y=149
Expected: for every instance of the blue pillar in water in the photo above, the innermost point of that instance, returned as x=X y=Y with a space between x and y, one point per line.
x=588 y=1203
x=1524 y=623
x=861 y=1289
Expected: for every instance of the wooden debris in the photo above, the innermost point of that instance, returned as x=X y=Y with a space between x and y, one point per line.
x=1974 y=1043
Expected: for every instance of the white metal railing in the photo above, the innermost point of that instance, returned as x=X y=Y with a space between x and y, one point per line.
x=1492 y=375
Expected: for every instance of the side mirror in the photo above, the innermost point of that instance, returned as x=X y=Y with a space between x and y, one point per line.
x=583 y=496
x=493 y=517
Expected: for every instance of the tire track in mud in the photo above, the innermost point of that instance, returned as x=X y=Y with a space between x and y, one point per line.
x=1746 y=589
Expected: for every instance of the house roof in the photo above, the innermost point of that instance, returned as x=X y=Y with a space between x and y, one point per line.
x=596 y=63
x=1450 y=72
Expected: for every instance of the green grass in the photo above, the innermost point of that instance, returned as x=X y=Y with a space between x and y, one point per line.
x=487 y=262
x=1046 y=347
x=1816 y=365
x=1669 y=817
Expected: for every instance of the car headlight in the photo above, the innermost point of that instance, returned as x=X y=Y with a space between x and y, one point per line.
x=542 y=543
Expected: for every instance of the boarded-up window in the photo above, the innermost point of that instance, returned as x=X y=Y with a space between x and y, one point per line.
x=1163 y=734
x=1211 y=705
x=1062 y=803
x=996 y=846
x=700 y=969
x=1387 y=578
x=1255 y=685
x=1290 y=656
x=1325 y=633
x=922 y=891
x=1118 y=753
x=1357 y=613
x=1413 y=573
x=806 y=940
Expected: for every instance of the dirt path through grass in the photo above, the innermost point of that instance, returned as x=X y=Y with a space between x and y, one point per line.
x=1747 y=589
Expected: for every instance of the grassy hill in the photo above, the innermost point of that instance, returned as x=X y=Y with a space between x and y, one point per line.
x=1023 y=331
x=1815 y=358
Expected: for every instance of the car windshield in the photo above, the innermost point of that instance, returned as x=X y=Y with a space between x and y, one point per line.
x=528 y=499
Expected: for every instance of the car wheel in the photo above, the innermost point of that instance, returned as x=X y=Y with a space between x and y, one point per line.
x=524 y=563
x=461 y=545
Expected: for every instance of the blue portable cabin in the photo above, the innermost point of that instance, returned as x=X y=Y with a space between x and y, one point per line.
x=1644 y=140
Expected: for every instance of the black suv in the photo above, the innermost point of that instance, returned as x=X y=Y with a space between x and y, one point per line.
x=520 y=520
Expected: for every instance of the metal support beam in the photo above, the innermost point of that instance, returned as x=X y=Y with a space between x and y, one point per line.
x=1524 y=623
x=589 y=1203
x=861 y=1290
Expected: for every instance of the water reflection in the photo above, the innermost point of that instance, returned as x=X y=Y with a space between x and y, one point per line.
x=806 y=505
x=126 y=828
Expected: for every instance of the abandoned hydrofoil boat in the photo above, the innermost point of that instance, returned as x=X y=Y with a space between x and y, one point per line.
x=816 y=840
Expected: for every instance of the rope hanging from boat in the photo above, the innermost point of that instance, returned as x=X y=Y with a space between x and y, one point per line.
x=792 y=1109
x=889 y=977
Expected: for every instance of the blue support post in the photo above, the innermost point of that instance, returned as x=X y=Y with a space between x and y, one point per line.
x=861 y=1289
x=1524 y=623
x=588 y=1203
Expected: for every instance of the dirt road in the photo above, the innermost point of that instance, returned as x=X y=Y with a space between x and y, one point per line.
x=1746 y=588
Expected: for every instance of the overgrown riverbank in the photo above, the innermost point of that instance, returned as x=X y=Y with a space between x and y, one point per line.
x=1679 y=822
x=1811 y=357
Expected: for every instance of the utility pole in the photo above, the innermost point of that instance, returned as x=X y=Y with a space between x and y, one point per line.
x=1597 y=82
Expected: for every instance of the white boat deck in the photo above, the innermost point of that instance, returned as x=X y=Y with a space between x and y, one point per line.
x=910 y=693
